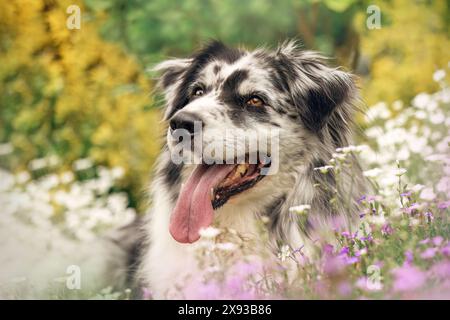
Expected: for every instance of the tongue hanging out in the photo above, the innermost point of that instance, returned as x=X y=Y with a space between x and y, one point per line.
x=193 y=209
x=208 y=188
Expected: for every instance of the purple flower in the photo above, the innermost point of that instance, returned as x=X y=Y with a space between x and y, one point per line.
x=437 y=241
x=429 y=253
x=386 y=229
x=146 y=294
x=372 y=198
x=367 y=238
x=361 y=199
x=407 y=278
x=446 y=250
x=351 y=260
x=412 y=208
x=346 y=234
x=344 y=288
x=429 y=215
x=369 y=198
x=409 y=256
x=406 y=194
x=333 y=265
x=424 y=241
x=441 y=269
x=344 y=251
x=328 y=249
x=361 y=283
x=443 y=205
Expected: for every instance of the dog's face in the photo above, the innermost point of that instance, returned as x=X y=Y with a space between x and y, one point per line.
x=231 y=104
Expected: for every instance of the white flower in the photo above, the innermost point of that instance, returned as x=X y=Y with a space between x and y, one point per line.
x=377 y=219
x=67 y=177
x=300 y=209
x=379 y=110
x=397 y=105
x=117 y=172
x=417 y=187
x=339 y=156
x=22 y=177
x=351 y=148
x=428 y=194
x=414 y=222
x=117 y=202
x=226 y=246
x=82 y=164
x=421 y=115
x=372 y=173
x=439 y=75
x=284 y=253
x=38 y=164
x=209 y=232
x=53 y=161
x=421 y=100
x=399 y=171
x=49 y=182
x=323 y=169
x=6 y=148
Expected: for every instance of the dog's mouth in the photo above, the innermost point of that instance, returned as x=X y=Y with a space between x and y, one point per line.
x=209 y=187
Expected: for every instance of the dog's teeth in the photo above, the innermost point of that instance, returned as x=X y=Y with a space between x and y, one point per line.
x=211 y=194
x=241 y=170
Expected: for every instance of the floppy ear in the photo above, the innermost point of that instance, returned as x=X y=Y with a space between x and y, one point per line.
x=171 y=73
x=318 y=90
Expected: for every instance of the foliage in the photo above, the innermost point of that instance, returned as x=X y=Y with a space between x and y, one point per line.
x=155 y=29
x=69 y=94
x=412 y=43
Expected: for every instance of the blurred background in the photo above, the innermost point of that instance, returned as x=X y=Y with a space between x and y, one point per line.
x=80 y=120
x=85 y=94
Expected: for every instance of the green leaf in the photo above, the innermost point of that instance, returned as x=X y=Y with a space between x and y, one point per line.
x=339 y=5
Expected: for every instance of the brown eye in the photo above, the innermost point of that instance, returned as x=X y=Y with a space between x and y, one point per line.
x=255 y=102
x=198 y=92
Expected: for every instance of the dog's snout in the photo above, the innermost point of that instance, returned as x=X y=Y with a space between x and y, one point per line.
x=185 y=121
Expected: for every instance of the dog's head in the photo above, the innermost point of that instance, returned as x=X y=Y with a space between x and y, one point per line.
x=242 y=115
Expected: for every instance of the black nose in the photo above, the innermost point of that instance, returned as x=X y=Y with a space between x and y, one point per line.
x=186 y=121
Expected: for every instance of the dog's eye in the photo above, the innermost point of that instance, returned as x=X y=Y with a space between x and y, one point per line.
x=198 y=92
x=255 y=101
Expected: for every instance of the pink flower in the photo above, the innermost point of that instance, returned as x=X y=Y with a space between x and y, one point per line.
x=437 y=241
x=412 y=208
x=409 y=256
x=428 y=194
x=333 y=265
x=443 y=205
x=428 y=253
x=386 y=229
x=446 y=250
x=407 y=278
x=344 y=288
x=441 y=270
x=351 y=260
x=146 y=294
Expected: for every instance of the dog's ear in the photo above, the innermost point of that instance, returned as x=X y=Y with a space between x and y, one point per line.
x=316 y=89
x=170 y=76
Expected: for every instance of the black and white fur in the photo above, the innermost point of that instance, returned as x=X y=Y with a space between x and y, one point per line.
x=310 y=103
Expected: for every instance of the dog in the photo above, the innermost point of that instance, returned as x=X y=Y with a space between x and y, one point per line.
x=287 y=90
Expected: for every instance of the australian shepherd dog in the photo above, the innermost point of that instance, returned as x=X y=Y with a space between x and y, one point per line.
x=246 y=132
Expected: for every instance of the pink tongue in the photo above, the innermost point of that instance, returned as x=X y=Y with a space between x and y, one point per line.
x=193 y=209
